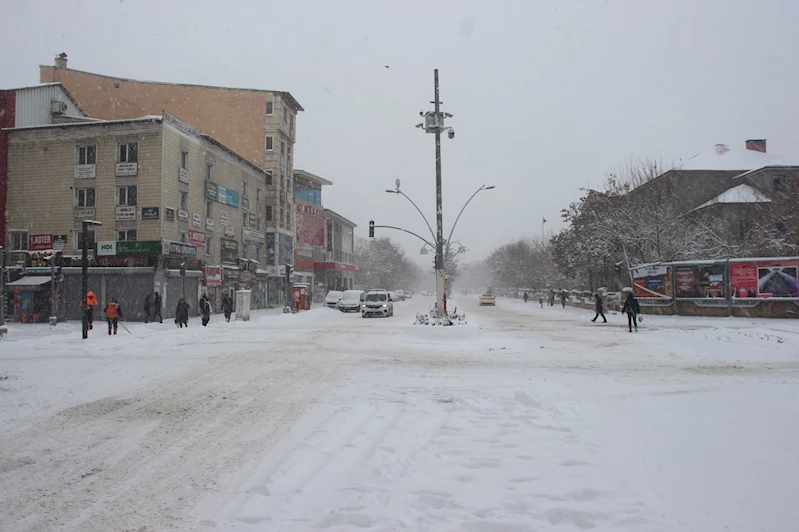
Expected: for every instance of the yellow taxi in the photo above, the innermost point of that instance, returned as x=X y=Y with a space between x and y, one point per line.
x=488 y=299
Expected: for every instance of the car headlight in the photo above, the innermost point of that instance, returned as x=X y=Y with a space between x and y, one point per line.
x=385 y=305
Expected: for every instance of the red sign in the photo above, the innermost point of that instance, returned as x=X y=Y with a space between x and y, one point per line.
x=768 y=278
x=303 y=265
x=310 y=225
x=212 y=275
x=40 y=242
x=196 y=238
x=337 y=266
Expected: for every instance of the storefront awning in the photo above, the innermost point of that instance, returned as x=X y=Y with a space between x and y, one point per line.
x=31 y=283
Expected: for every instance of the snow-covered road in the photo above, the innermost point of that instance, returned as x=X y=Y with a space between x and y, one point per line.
x=524 y=419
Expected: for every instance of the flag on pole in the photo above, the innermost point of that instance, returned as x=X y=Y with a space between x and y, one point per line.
x=543 y=220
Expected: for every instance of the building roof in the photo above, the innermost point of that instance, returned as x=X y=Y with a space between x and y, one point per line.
x=311 y=177
x=340 y=217
x=789 y=168
x=739 y=194
x=284 y=94
x=63 y=88
x=723 y=157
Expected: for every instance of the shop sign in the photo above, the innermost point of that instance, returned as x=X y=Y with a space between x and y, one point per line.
x=82 y=213
x=245 y=203
x=253 y=220
x=196 y=220
x=40 y=242
x=180 y=249
x=223 y=217
x=127 y=169
x=229 y=232
x=196 y=238
x=212 y=275
x=59 y=241
x=126 y=213
x=170 y=215
x=107 y=248
x=85 y=171
x=229 y=250
x=652 y=282
x=183 y=175
x=209 y=224
x=245 y=277
x=39 y=262
x=183 y=216
x=251 y=236
x=132 y=248
x=223 y=195
x=231 y=275
x=152 y=213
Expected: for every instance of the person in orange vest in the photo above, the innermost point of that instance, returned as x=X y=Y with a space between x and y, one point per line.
x=113 y=312
x=90 y=303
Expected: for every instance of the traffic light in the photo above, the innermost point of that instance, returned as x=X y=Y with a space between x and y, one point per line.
x=289 y=271
x=371 y=228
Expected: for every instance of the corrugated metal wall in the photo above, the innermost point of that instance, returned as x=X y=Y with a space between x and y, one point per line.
x=33 y=106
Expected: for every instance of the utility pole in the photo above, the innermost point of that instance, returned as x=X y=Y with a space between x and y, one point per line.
x=440 y=286
x=2 y=287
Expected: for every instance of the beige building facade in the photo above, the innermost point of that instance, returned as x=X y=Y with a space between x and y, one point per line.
x=167 y=196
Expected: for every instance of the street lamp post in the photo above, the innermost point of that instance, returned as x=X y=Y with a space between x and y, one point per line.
x=84 y=267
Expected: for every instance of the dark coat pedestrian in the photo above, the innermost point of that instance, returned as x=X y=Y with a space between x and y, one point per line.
x=631 y=308
x=113 y=313
x=563 y=299
x=526 y=297
x=182 y=313
x=157 y=308
x=148 y=307
x=600 y=308
x=227 y=306
x=205 y=309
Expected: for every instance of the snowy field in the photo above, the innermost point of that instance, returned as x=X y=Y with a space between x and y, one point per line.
x=525 y=419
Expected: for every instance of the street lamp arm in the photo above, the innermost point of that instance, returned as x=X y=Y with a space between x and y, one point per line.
x=463 y=208
x=398 y=191
x=409 y=232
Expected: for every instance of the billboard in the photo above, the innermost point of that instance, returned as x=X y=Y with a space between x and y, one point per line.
x=699 y=281
x=652 y=282
x=310 y=225
x=769 y=278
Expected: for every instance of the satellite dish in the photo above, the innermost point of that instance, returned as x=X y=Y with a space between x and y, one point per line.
x=397 y=182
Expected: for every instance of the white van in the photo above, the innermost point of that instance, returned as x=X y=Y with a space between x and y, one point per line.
x=377 y=303
x=332 y=297
x=351 y=301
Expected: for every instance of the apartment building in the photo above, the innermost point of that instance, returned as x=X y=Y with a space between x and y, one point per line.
x=170 y=199
x=260 y=125
x=336 y=271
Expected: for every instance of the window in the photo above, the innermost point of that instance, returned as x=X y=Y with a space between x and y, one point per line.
x=744 y=228
x=184 y=201
x=282 y=148
x=79 y=239
x=209 y=171
x=780 y=183
x=209 y=212
x=285 y=115
x=243 y=189
x=258 y=253
x=269 y=178
x=245 y=218
x=257 y=194
x=269 y=212
x=282 y=216
x=184 y=160
x=87 y=154
x=126 y=235
x=208 y=239
x=19 y=241
x=128 y=152
x=270 y=143
x=184 y=237
x=258 y=224
x=85 y=197
x=305 y=193
x=127 y=195
x=270 y=107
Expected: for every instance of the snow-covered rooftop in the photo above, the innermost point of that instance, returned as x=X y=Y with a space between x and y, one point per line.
x=740 y=194
x=723 y=157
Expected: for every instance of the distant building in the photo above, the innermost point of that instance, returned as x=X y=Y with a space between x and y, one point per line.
x=310 y=227
x=337 y=270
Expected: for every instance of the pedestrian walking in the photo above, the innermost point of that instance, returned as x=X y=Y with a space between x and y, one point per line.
x=599 y=306
x=90 y=303
x=148 y=307
x=182 y=313
x=157 y=308
x=227 y=306
x=525 y=296
x=563 y=298
x=631 y=308
x=541 y=300
x=113 y=313
x=205 y=309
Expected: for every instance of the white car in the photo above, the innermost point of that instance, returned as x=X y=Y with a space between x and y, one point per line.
x=400 y=295
x=351 y=301
x=332 y=297
x=377 y=303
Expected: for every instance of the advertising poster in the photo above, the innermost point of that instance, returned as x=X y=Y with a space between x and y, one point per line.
x=704 y=281
x=310 y=225
x=653 y=282
x=765 y=279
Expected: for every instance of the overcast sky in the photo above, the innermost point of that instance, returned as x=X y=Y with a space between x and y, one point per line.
x=548 y=96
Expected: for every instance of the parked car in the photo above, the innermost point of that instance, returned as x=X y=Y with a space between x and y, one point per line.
x=332 y=297
x=377 y=303
x=399 y=295
x=488 y=299
x=351 y=301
